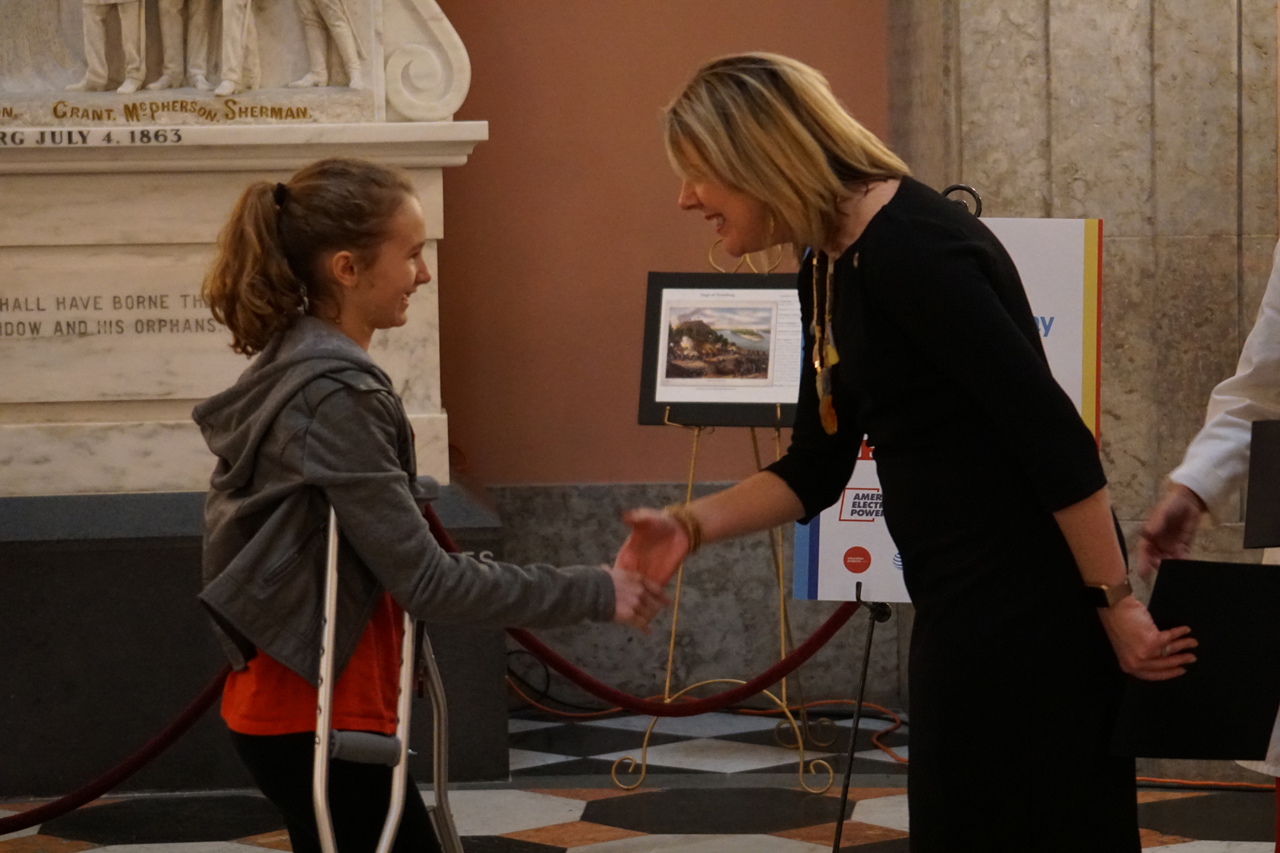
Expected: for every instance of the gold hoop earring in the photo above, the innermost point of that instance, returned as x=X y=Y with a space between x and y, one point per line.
x=769 y=265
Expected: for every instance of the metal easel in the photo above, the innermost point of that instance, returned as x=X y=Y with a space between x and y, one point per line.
x=799 y=725
x=369 y=748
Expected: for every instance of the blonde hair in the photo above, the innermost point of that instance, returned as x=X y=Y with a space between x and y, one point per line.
x=770 y=126
x=267 y=272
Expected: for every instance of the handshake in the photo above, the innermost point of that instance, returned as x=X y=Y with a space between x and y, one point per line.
x=657 y=545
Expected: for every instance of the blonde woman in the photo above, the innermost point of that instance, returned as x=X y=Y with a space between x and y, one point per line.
x=919 y=335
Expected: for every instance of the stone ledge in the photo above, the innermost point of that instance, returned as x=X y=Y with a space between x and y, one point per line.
x=156 y=515
x=413 y=145
x=123 y=457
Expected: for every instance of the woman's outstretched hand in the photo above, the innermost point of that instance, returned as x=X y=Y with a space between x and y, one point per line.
x=1144 y=651
x=656 y=546
x=636 y=598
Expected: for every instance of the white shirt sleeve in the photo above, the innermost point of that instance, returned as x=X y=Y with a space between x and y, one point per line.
x=1217 y=459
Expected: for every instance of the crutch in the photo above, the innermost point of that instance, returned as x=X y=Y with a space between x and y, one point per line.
x=368 y=748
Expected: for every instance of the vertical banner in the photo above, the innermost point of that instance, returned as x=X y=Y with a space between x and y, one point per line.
x=1060 y=263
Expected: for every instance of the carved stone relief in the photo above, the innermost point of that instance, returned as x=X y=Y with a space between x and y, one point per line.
x=85 y=63
x=428 y=71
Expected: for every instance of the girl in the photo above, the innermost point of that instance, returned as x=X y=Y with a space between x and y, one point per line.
x=306 y=272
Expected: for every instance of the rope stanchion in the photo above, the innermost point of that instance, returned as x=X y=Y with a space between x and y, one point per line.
x=721 y=700
x=124 y=769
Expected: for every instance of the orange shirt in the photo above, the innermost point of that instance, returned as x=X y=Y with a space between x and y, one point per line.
x=268 y=698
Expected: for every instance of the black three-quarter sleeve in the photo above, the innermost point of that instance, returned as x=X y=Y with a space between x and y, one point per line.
x=938 y=290
x=817 y=466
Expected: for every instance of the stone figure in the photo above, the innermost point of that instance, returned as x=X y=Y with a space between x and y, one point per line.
x=132 y=33
x=239 y=48
x=192 y=64
x=319 y=16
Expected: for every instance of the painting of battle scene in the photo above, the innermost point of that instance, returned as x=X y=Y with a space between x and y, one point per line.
x=719 y=343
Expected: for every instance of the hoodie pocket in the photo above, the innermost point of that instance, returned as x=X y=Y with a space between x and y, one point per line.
x=282 y=567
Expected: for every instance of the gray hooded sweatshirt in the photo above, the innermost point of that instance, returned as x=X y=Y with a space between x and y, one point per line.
x=314 y=422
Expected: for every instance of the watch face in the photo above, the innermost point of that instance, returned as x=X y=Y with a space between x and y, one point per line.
x=1096 y=596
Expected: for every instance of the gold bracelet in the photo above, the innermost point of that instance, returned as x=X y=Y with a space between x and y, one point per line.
x=686 y=519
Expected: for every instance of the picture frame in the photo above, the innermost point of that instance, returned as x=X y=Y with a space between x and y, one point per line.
x=721 y=349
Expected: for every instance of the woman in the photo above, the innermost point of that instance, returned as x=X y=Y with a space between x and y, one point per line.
x=920 y=337
x=306 y=272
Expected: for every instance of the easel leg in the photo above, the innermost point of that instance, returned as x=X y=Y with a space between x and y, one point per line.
x=675 y=621
x=804 y=733
x=879 y=612
x=675 y=604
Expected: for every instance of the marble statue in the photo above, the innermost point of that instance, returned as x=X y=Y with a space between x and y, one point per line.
x=240 y=66
x=402 y=62
x=319 y=16
x=132 y=33
x=192 y=64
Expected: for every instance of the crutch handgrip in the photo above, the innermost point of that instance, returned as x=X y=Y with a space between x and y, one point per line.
x=365 y=748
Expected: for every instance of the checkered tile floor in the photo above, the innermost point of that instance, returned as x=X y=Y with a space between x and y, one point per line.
x=707 y=744
x=716 y=784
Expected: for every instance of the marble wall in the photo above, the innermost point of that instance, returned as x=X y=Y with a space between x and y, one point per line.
x=107 y=346
x=1156 y=116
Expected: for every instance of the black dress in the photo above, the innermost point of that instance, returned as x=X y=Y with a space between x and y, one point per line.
x=1013 y=684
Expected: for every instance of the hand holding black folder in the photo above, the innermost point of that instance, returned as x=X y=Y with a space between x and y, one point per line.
x=1226 y=704
x=1143 y=649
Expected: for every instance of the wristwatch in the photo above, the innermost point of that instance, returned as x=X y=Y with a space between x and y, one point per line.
x=1107 y=595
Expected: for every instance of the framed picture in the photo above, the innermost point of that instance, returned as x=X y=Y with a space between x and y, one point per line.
x=721 y=349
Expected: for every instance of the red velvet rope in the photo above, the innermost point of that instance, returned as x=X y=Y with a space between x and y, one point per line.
x=124 y=769
x=721 y=700
x=210 y=694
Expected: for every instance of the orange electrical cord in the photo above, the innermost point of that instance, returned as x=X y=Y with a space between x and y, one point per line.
x=875 y=738
x=1191 y=783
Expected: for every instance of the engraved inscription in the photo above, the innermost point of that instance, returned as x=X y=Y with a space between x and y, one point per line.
x=90 y=137
x=88 y=314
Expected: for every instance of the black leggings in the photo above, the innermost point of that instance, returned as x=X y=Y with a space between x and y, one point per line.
x=281 y=766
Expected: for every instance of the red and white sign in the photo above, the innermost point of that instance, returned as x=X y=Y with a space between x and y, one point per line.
x=857 y=559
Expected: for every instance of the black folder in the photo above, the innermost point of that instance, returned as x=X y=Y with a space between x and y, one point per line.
x=1225 y=706
x=1262 y=507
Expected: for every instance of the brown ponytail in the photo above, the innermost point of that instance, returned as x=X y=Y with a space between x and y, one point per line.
x=268 y=269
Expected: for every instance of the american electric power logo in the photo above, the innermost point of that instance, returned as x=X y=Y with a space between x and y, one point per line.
x=861 y=503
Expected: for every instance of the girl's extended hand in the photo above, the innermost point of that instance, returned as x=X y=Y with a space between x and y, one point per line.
x=636 y=598
x=1144 y=651
x=656 y=547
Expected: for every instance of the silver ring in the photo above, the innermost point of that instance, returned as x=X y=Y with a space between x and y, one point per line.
x=1164 y=652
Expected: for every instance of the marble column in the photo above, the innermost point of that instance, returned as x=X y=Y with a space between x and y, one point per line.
x=1156 y=116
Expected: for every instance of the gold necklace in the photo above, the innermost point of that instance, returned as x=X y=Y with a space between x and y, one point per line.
x=825 y=356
